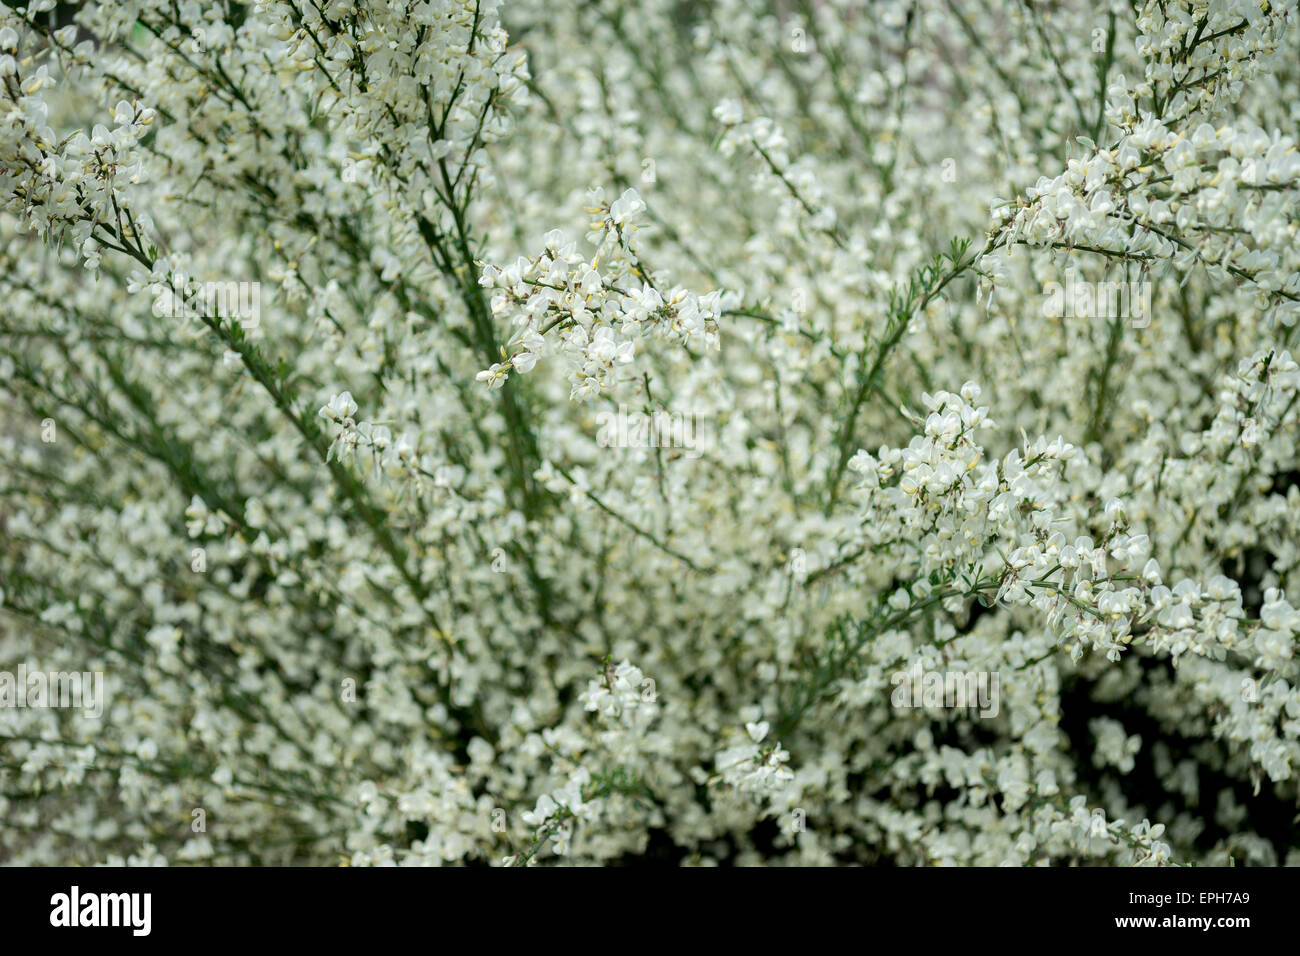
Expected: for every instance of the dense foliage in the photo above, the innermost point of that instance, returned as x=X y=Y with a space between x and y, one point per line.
x=598 y=432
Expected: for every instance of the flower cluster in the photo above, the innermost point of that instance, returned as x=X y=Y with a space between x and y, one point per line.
x=597 y=315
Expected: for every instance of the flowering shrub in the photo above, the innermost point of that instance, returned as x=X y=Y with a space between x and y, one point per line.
x=958 y=516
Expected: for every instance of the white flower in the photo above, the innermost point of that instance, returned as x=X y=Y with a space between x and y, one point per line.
x=626 y=208
x=494 y=376
x=544 y=810
x=728 y=112
x=339 y=408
